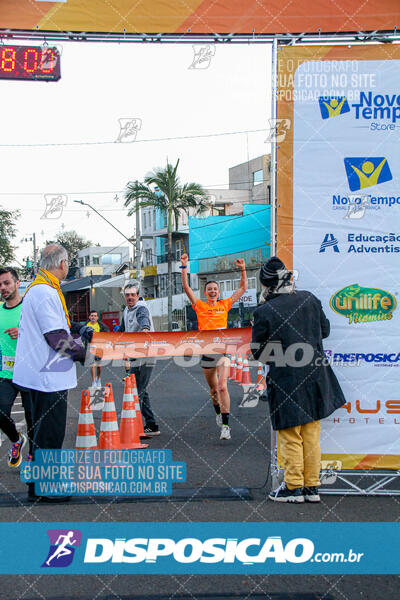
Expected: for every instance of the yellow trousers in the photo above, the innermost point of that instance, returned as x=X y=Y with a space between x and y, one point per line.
x=300 y=453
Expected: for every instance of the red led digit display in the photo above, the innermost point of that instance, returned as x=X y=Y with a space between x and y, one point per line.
x=30 y=63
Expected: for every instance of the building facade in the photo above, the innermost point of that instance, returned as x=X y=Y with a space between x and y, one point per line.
x=101 y=260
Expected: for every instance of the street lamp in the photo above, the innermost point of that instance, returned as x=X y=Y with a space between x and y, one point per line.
x=130 y=240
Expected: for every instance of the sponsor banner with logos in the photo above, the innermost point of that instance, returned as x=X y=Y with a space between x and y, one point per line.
x=200 y=548
x=170 y=343
x=339 y=227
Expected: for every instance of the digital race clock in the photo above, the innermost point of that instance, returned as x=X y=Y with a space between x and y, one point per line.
x=30 y=63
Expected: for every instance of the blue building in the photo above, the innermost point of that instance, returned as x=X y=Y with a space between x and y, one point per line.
x=216 y=242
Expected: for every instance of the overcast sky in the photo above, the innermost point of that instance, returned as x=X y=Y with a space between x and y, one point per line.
x=65 y=131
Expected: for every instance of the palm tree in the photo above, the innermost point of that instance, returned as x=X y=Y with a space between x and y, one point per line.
x=162 y=189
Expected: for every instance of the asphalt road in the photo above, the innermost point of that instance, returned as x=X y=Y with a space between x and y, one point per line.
x=186 y=419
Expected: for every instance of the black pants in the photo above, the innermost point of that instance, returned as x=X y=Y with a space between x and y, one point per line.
x=143 y=374
x=49 y=413
x=8 y=393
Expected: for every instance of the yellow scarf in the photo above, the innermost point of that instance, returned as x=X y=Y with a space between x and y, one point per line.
x=44 y=277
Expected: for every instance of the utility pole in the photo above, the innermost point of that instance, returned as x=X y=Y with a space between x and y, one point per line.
x=138 y=265
x=32 y=239
x=35 y=261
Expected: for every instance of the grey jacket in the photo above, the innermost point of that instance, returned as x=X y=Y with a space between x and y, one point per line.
x=136 y=319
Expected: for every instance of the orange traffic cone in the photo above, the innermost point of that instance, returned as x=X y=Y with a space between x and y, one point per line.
x=232 y=370
x=86 y=435
x=246 y=379
x=137 y=406
x=109 y=435
x=260 y=383
x=129 y=429
x=239 y=368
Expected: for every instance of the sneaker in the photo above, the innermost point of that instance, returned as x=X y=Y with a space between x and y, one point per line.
x=151 y=430
x=98 y=383
x=225 y=433
x=283 y=494
x=15 y=455
x=218 y=419
x=311 y=494
x=29 y=458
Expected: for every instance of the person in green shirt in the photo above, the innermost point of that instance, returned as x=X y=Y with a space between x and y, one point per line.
x=10 y=312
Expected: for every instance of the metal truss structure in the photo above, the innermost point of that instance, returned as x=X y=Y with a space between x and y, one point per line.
x=343 y=482
x=289 y=39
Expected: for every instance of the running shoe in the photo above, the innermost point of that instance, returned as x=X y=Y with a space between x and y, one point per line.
x=218 y=419
x=15 y=454
x=311 y=494
x=225 y=433
x=151 y=430
x=283 y=494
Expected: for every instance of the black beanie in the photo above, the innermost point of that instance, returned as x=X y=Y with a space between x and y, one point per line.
x=268 y=272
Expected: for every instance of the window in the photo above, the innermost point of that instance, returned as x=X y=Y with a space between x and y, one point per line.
x=164 y=218
x=251 y=282
x=154 y=218
x=179 y=249
x=236 y=284
x=87 y=261
x=147 y=257
x=96 y=260
x=176 y=284
x=225 y=286
x=184 y=218
x=111 y=259
x=144 y=220
x=258 y=177
x=81 y=261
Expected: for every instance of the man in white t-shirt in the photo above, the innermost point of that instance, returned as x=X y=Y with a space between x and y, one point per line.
x=46 y=352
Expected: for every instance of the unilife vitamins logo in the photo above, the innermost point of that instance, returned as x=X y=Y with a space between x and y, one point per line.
x=363 y=172
x=363 y=304
x=333 y=106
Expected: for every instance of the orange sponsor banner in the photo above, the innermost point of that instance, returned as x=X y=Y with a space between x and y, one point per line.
x=175 y=343
x=200 y=16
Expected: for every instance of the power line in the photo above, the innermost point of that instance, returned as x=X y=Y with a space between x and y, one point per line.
x=234 y=218
x=206 y=186
x=136 y=141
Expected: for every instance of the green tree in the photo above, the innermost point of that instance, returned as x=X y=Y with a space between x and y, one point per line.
x=162 y=189
x=72 y=242
x=7 y=234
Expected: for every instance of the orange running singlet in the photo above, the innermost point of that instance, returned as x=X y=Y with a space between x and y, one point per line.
x=213 y=316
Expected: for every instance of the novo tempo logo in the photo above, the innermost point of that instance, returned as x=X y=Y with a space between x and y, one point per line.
x=363 y=172
x=333 y=106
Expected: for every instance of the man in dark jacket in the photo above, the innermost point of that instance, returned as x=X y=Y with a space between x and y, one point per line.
x=302 y=388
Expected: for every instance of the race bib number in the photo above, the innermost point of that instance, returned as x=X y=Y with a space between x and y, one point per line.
x=7 y=363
